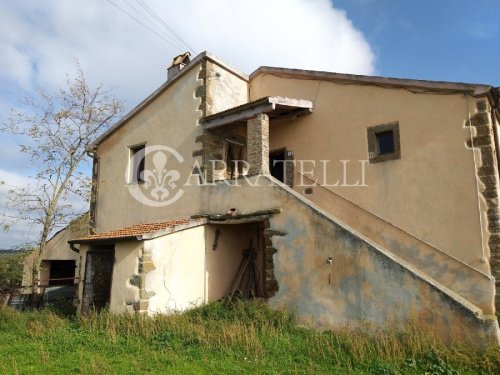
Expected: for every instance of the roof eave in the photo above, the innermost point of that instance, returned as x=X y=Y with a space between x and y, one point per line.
x=471 y=88
x=145 y=236
x=102 y=240
x=177 y=228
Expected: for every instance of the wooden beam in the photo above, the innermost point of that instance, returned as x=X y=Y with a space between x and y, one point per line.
x=250 y=110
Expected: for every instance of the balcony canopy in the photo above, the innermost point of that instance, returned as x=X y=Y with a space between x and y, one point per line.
x=276 y=107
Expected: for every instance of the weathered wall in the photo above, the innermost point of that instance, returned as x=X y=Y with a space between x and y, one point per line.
x=186 y=271
x=471 y=283
x=420 y=206
x=224 y=89
x=366 y=283
x=177 y=281
x=170 y=119
x=123 y=293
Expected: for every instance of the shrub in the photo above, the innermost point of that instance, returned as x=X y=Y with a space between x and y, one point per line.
x=11 y=270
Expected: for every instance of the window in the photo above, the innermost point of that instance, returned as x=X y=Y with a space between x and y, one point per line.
x=62 y=272
x=383 y=142
x=137 y=161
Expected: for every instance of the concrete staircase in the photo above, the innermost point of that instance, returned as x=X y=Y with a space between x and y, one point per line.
x=366 y=283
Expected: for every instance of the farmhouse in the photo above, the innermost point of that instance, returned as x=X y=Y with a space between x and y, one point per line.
x=348 y=199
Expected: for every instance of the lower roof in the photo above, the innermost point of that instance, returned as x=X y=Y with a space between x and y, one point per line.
x=143 y=231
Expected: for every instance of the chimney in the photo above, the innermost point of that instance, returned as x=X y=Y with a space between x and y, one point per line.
x=178 y=63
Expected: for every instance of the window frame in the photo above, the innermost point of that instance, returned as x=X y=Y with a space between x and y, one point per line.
x=134 y=172
x=374 y=155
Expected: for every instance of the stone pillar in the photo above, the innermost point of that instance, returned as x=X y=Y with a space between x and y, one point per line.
x=145 y=265
x=258 y=144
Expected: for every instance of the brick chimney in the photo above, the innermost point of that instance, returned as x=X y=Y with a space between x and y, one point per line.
x=178 y=63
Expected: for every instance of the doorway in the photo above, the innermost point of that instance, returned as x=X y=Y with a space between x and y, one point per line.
x=281 y=165
x=276 y=164
x=98 y=276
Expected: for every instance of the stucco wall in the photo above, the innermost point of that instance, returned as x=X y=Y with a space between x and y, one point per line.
x=429 y=193
x=366 y=282
x=187 y=271
x=58 y=248
x=170 y=119
x=224 y=89
x=223 y=263
x=177 y=281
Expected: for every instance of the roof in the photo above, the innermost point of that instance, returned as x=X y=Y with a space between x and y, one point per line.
x=472 y=88
x=141 y=231
x=71 y=226
x=300 y=73
x=274 y=106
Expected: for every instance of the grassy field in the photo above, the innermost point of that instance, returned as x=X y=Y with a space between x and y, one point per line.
x=240 y=337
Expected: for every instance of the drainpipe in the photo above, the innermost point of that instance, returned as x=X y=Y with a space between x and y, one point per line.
x=93 y=191
x=74 y=248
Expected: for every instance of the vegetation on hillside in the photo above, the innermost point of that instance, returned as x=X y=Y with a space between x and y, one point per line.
x=11 y=269
x=238 y=337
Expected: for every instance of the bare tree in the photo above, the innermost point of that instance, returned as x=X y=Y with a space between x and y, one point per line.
x=60 y=130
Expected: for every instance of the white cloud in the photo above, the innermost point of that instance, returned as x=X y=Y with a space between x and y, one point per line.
x=40 y=40
x=20 y=232
x=17 y=234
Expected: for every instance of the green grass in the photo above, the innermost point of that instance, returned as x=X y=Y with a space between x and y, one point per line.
x=219 y=338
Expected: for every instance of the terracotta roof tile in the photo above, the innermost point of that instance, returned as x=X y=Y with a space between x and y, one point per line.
x=133 y=230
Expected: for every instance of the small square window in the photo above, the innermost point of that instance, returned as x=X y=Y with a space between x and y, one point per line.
x=383 y=142
x=137 y=163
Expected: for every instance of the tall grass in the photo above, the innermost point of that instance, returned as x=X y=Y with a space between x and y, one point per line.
x=256 y=335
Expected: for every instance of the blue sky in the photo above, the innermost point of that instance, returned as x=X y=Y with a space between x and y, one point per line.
x=447 y=40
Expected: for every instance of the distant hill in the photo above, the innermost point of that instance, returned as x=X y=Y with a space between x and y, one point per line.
x=11 y=252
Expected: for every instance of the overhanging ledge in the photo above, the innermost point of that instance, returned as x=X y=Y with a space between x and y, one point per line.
x=275 y=107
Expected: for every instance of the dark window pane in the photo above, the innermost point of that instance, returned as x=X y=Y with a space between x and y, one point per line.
x=385 y=142
x=138 y=156
x=62 y=272
x=277 y=165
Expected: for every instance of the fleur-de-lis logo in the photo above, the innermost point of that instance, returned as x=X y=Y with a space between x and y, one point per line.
x=159 y=178
x=160 y=183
